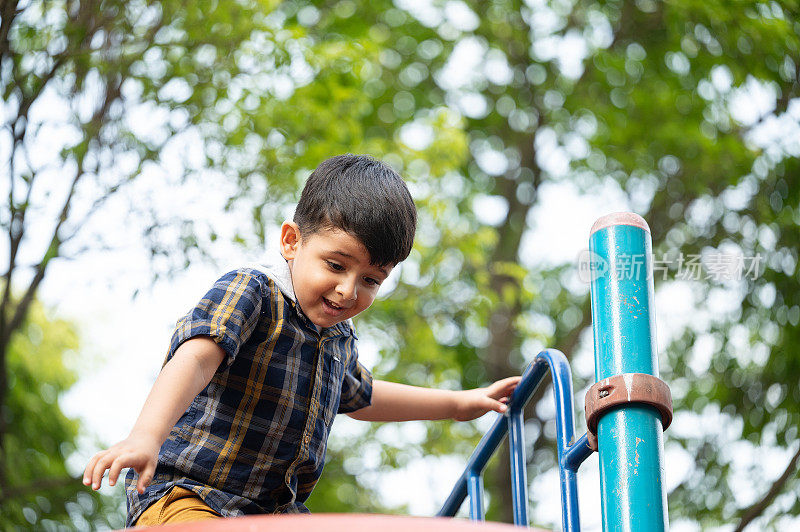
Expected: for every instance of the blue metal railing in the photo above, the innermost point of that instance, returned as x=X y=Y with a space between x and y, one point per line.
x=570 y=453
x=629 y=434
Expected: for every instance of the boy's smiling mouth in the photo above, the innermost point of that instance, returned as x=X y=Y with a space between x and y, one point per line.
x=332 y=308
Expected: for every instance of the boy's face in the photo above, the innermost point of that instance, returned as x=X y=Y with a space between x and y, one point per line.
x=331 y=273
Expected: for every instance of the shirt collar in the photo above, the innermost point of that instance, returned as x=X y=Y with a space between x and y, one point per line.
x=276 y=268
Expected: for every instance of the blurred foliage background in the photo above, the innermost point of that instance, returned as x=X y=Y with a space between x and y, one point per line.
x=686 y=110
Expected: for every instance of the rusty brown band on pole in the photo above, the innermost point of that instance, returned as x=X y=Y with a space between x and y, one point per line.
x=623 y=389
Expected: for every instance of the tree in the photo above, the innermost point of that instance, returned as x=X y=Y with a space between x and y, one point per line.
x=112 y=89
x=691 y=77
x=649 y=100
x=98 y=93
x=71 y=71
x=478 y=105
x=40 y=438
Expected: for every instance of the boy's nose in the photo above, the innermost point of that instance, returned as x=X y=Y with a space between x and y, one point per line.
x=347 y=289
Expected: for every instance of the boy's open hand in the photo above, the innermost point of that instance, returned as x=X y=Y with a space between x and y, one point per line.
x=140 y=453
x=471 y=404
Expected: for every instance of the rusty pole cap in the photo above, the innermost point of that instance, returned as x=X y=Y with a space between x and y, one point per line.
x=619 y=218
x=623 y=389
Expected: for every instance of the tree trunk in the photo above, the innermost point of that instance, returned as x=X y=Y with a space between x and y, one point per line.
x=505 y=340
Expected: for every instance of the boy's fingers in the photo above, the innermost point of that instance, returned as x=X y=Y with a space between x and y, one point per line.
x=144 y=479
x=99 y=470
x=89 y=471
x=508 y=382
x=504 y=387
x=496 y=405
x=116 y=467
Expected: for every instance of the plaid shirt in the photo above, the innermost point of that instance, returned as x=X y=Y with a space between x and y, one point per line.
x=253 y=441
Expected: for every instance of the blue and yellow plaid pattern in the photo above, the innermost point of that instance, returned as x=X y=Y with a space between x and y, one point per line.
x=253 y=441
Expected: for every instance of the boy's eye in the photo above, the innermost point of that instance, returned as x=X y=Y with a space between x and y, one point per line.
x=334 y=266
x=372 y=281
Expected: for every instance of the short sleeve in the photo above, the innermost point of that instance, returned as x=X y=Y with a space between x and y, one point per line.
x=228 y=313
x=357 y=382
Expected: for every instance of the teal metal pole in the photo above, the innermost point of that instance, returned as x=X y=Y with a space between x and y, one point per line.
x=630 y=437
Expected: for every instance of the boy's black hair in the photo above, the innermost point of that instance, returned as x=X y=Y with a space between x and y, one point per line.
x=364 y=197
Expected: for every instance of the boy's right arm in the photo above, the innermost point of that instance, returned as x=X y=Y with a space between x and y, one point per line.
x=185 y=375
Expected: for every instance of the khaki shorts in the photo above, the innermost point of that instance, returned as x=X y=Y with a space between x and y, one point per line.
x=179 y=505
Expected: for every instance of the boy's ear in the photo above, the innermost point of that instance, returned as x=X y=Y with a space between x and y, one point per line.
x=290 y=239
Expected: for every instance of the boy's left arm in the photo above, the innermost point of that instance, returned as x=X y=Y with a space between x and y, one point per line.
x=399 y=402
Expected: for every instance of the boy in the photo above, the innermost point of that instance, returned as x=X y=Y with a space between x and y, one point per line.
x=238 y=419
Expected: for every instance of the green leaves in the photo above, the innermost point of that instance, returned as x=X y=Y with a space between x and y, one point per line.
x=41 y=490
x=479 y=106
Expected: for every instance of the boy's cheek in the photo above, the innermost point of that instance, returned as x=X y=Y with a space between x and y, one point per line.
x=366 y=306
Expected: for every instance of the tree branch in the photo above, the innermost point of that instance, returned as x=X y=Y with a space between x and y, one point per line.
x=758 y=508
x=8 y=13
x=21 y=309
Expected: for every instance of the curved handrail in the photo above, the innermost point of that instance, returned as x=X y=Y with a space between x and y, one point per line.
x=570 y=455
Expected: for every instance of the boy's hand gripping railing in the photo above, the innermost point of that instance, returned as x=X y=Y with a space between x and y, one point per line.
x=570 y=455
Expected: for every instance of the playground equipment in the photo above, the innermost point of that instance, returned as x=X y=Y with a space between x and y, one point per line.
x=626 y=409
